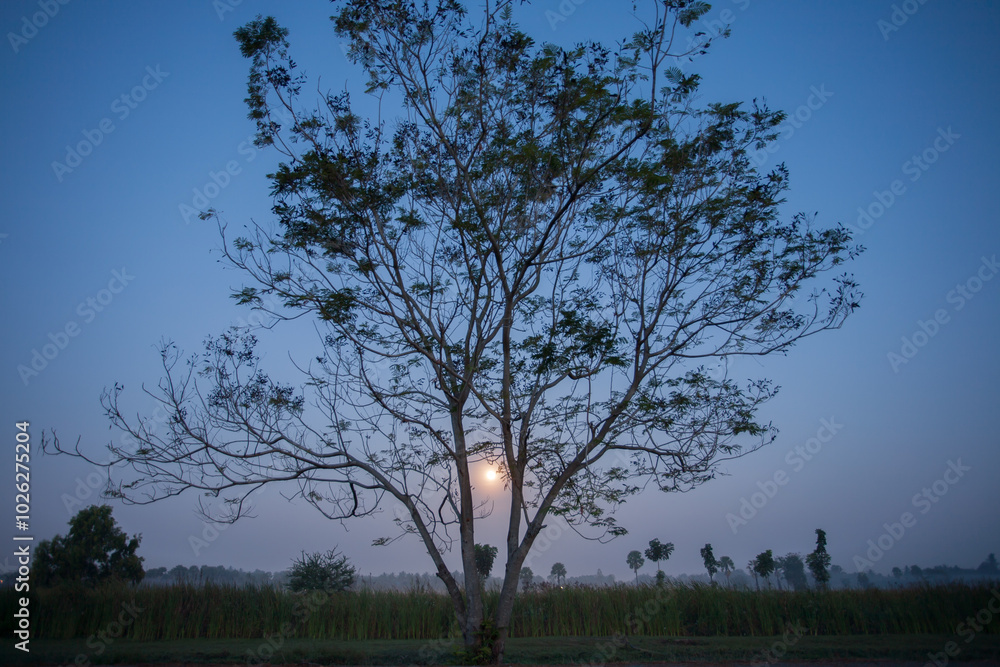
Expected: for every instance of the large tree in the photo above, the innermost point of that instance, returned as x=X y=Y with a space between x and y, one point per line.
x=94 y=551
x=529 y=268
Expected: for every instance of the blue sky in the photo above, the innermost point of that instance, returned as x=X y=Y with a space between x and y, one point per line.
x=894 y=117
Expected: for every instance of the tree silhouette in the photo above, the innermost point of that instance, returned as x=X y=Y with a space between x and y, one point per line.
x=329 y=572
x=538 y=252
x=764 y=565
x=793 y=570
x=819 y=561
x=658 y=551
x=635 y=561
x=989 y=566
x=558 y=573
x=527 y=578
x=711 y=565
x=727 y=566
x=94 y=551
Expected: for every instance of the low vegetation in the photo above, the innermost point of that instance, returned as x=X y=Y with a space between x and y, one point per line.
x=222 y=612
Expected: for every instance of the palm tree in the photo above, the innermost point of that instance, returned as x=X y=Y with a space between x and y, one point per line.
x=658 y=551
x=727 y=566
x=635 y=561
x=558 y=572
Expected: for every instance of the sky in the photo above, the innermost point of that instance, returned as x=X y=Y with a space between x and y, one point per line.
x=120 y=119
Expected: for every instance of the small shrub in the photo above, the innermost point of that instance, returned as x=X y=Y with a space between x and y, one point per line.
x=329 y=572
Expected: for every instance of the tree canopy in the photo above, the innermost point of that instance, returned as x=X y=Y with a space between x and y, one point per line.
x=330 y=572
x=529 y=267
x=94 y=551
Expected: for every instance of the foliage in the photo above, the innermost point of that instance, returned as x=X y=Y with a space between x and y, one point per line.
x=764 y=565
x=558 y=573
x=635 y=561
x=658 y=551
x=485 y=555
x=793 y=570
x=329 y=572
x=94 y=551
x=711 y=565
x=727 y=566
x=819 y=560
x=537 y=251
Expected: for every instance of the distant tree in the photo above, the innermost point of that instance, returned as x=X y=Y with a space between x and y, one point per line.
x=330 y=572
x=794 y=571
x=711 y=565
x=635 y=561
x=753 y=570
x=764 y=565
x=558 y=573
x=916 y=571
x=897 y=573
x=819 y=560
x=94 y=551
x=527 y=578
x=658 y=551
x=989 y=566
x=863 y=580
x=485 y=555
x=727 y=566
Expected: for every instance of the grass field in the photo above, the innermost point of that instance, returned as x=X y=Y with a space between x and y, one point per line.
x=552 y=650
x=227 y=624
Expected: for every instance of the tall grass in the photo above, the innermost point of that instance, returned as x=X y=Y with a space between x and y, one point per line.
x=211 y=611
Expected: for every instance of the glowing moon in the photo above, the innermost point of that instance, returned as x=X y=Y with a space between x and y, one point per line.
x=491 y=474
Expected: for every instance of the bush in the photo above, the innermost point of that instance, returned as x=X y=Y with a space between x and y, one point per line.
x=329 y=572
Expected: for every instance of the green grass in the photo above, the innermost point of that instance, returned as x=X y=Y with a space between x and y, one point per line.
x=216 y=612
x=520 y=651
